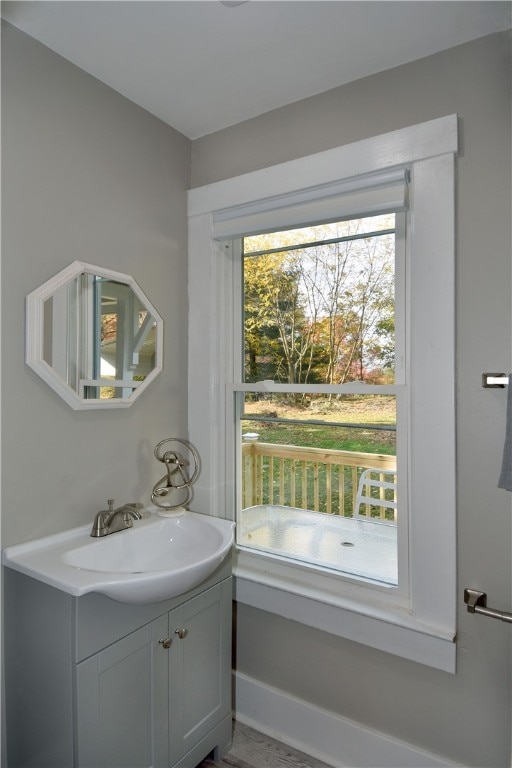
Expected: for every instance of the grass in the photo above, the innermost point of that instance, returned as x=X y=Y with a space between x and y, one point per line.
x=365 y=410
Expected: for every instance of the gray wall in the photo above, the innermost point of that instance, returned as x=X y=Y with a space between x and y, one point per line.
x=87 y=175
x=467 y=716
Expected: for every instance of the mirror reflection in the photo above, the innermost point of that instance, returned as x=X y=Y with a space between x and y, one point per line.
x=100 y=335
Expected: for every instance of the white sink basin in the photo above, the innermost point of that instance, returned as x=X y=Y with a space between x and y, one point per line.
x=157 y=559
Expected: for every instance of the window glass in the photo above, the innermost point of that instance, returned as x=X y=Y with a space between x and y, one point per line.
x=319 y=303
x=316 y=472
x=317 y=479
x=332 y=230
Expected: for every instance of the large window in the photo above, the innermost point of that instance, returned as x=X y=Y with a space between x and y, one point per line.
x=321 y=381
x=317 y=472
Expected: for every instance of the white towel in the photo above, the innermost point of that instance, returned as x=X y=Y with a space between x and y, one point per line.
x=505 y=480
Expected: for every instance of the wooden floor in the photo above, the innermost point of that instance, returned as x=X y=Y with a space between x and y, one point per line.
x=252 y=749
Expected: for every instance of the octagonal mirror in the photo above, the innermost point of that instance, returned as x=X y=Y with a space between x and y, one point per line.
x=93 y=336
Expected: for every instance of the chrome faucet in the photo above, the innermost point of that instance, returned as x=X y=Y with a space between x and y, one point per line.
x=113 y=520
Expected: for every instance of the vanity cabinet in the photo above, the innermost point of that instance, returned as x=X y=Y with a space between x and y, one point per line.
x=93 y=683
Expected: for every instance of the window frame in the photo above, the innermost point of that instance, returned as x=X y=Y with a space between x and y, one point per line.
x=423 y=626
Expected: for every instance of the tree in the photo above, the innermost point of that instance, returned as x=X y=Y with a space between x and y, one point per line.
x=274 y=322
x=322 y=308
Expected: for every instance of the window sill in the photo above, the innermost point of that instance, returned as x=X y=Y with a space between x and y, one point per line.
x=273 y=585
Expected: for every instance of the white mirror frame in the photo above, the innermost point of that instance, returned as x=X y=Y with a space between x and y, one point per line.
x=35 y=330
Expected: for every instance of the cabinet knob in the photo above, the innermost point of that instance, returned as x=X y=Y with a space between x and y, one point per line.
x=165 y=642
x=181 y=632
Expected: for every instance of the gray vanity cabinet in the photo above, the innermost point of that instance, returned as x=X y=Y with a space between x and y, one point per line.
x=140 y=703
x=109 y=685
x=122 y=702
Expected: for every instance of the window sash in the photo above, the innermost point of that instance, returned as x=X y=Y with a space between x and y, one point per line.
x=233 y=246
x=398 y=594
x=238 y=387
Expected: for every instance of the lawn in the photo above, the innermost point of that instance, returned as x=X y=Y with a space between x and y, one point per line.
x=332 y=427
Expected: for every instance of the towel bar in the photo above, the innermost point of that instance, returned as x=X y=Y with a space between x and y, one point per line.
x=477 y=603
x=494 y=380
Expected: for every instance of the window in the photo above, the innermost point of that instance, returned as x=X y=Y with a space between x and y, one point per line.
x=319 y=308
x=403 y=182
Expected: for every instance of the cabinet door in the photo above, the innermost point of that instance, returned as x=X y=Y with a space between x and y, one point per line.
x=122 y=702
x=200 y=667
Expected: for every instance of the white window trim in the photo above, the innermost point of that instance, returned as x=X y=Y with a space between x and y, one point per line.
x=424 y=631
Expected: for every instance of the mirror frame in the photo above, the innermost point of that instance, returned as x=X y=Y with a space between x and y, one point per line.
x=34 y=338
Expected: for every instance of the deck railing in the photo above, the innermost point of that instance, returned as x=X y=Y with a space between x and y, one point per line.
x=308 y=478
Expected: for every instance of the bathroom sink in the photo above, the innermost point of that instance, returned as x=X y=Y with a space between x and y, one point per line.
x=157 y=559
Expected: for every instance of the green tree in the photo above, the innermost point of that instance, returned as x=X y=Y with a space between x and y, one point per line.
x=320 y=312
x=275 y=326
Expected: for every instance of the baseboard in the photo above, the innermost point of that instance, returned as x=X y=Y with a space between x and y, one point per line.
x=335 y=740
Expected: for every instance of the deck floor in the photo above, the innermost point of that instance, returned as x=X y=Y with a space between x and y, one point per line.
x=252 y=749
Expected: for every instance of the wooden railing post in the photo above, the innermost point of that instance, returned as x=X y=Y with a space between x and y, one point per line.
x=250 y=473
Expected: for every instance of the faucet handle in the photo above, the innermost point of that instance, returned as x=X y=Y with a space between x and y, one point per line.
x=136 y=508
x=98 y=527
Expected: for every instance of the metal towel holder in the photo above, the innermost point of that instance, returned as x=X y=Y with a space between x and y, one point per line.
x=477 y=603
x=475 y=600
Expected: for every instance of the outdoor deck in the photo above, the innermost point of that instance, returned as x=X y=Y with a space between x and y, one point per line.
x=363 y=548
